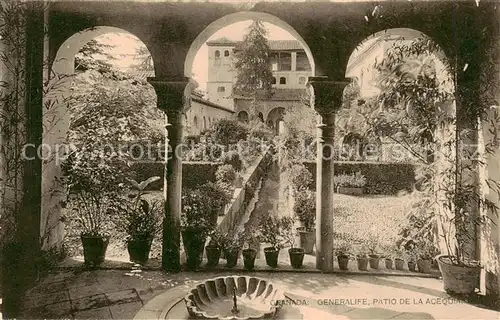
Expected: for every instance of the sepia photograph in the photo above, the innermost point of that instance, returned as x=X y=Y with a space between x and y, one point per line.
x=250 y=159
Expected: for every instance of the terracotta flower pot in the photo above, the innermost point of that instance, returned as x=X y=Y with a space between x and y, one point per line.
x=296 y=257
x=388 y=263
x=193 y=246
x=374 y=261
x=458 y=279
x=307 y=240
x=412 y=266
x=213 y=255
x=94 y=249
x=271 y=255
x=343 y=261
x=138 y=250
x=399 y=264
x=232 y=257
x=424 y=265
x=362 y=263
x=249 y=256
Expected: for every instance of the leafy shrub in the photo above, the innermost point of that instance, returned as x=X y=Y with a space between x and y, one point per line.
x=273 y=230
x=381 y=177
x=300 y=177
x=138 y=218
x=194 y=174
x=305 y=208
x=196 y=215
x=225 y=174
x=260 y=131
x=227 y=132
x=191 y=139
x=233 y=158
x=216 y=198
x=350 y=180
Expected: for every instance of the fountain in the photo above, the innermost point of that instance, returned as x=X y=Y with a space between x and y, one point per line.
x=234 y=298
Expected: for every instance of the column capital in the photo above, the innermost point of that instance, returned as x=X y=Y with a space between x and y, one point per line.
x=172 y=93
x=327 y=97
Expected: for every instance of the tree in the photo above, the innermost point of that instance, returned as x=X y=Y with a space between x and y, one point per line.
x=253 y=65
x=94 y=55
x=144 y=60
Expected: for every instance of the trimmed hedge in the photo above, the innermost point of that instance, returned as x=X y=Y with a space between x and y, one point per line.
x=193 y=173
x=381 y=177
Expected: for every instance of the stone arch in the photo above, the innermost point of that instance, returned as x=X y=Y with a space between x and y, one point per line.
x=56 y=121
x=63 y=63
x=274 y=117
x=234 y=18
x=243 y=116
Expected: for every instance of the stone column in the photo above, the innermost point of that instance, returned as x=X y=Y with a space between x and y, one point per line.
x=171 y=95
x=326 y=101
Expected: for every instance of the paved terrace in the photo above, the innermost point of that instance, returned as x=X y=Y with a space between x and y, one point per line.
x=121 y=294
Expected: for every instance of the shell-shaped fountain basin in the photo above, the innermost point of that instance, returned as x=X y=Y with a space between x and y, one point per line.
x=214 y=299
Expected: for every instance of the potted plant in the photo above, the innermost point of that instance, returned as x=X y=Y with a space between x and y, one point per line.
x=249 y=253
x=196 y=224
x=271 y=232
x=214 y=248
x=305 y=210
x=342 y=252
x=351 y=184
x=233 y=241
x=398 y=260
x=411 y=259
x=140 y=219
x=94 y=182
x=374 y=257
x=426 y=252
x=362 y=259
x=296 y=255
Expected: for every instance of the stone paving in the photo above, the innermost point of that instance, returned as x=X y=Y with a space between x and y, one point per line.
x=120 y=294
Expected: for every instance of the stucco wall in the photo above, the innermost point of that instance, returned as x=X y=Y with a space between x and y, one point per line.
x=202 y=115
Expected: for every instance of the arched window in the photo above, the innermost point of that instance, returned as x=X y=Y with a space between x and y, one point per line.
x=217 y=54
x=302 y=80
x=274 y=80
x=243 y=116
x=282 y=80
x=226 y=53
x=204 y=123
x=195 y=122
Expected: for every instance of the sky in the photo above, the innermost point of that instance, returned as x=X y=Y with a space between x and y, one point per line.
x=126 y=45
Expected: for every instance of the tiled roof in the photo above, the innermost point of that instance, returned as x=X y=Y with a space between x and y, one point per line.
x=274 y=45
x=278 y=95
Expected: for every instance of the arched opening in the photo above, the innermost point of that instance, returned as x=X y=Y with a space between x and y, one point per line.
x=225 y=36
x=401 y=79
x=275 y=117
x=243 y=116
x=102 y=94
x=204 y=123
x=195 y=122
x=282 y=80
x=229 y=19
